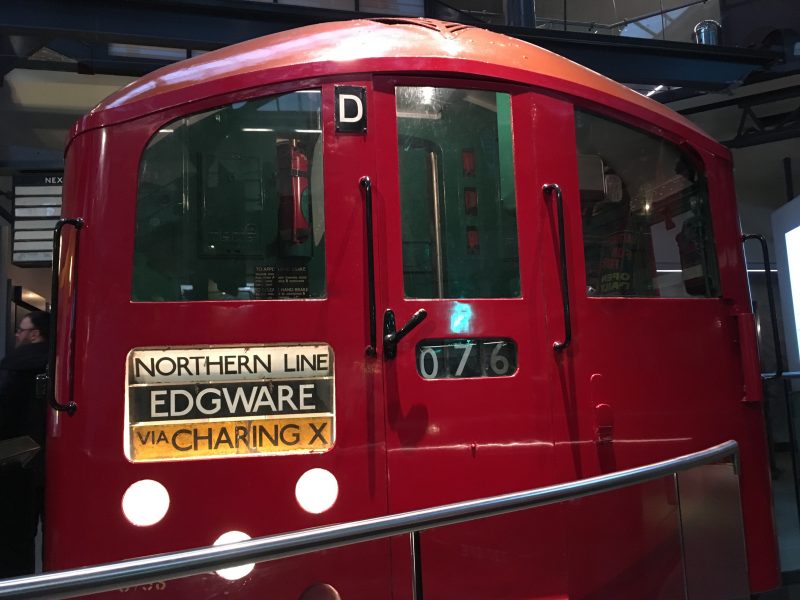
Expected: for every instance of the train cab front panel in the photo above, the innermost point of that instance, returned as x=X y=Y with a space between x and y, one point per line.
x=322 y=280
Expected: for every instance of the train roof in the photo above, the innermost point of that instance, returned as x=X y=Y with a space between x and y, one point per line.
x=383 y=45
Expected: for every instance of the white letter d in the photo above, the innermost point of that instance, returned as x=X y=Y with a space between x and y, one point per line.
x=359 y=106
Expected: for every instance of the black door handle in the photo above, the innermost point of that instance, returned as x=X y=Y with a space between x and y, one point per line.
x=49 y=379
x=562 y=244
x=773 y=314
x=366 y=185
x=391 y=335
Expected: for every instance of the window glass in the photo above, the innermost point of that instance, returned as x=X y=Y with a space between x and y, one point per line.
x=457 y=193
x=230 y=204
x=646 y=221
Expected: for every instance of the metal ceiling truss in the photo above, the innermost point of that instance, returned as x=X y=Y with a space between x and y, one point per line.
x=754 y=129
x=759 y=123
x=82 y=30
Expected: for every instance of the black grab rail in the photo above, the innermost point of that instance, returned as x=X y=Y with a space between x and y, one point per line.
x=366 y=185
x=773 y=313
x=69 y=406
x=562 y=246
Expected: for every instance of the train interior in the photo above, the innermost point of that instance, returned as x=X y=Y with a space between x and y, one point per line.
x=647 y=226
x=193 y=244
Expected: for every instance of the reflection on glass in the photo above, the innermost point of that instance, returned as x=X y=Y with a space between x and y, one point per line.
x=230 y=204
x=237 y=572
x=713 y=533
x=457 y=193
x=647 y=227
x=460 y=318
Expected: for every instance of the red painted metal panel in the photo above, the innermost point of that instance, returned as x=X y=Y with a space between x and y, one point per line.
x=670 y=370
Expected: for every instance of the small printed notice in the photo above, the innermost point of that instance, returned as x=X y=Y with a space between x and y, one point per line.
x=201 y=402
x=281 y=283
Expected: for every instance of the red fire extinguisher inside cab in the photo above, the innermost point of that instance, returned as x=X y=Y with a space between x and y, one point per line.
x=294 y=227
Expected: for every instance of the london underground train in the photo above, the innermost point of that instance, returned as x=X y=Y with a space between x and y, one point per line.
x=362 y=268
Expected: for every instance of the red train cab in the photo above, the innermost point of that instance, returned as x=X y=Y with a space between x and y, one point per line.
x=361 y=268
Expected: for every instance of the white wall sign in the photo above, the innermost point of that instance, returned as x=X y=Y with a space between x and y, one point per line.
x=786 y=236
x=37 y=208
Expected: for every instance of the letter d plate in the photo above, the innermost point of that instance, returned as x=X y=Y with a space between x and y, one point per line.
x=351 y=109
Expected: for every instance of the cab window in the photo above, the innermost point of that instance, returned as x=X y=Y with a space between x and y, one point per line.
x=230 y=204
x=457 y=196
x=647 y=228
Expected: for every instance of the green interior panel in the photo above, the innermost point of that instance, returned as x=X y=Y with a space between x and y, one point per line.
x=457 y=193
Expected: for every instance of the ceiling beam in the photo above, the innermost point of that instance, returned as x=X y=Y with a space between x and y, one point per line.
x=196 y=24
x=656 y=62
x=209 y=24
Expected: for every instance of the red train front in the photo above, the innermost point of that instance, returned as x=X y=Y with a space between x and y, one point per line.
x=362 y=268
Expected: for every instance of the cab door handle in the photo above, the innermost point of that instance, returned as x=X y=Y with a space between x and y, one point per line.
x=366 y=185
x=548 y=189
x=48 y=380
x=391 y=335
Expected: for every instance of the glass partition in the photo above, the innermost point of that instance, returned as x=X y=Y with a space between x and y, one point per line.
x=713 y=537
x=626 y=543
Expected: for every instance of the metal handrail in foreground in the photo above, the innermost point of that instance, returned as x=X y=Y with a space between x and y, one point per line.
x=781 y=375
x=161 y=567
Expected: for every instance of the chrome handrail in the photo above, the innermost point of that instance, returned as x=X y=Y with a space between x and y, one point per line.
x=161 y=567
x=781 y=375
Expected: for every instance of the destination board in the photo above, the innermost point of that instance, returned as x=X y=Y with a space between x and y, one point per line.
x=196 y=402
x=161 y=441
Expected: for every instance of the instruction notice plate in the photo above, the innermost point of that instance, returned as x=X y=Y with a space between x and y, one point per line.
x=197 y=402
x=281 y=283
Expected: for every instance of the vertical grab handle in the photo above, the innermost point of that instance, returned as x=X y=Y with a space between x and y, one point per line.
x=366 y=185
x=70 y=407
x=773 y=315
x=548 y=188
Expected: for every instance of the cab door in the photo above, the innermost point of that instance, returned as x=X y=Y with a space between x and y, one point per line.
x=466 y=352
x=656 y=362
x=236 y=377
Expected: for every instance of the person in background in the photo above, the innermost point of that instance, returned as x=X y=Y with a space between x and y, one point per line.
x=22 y=414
